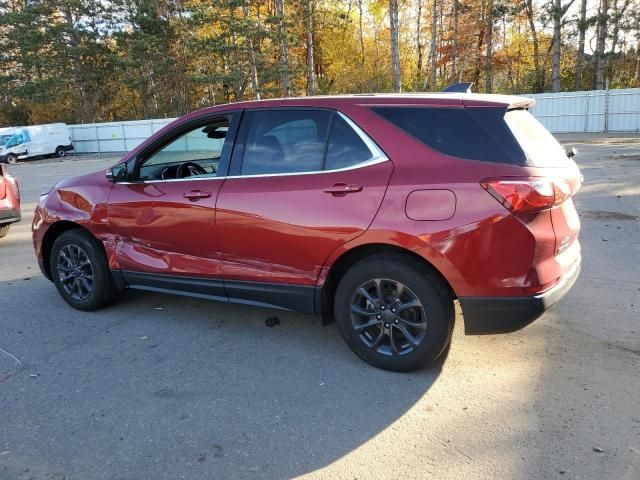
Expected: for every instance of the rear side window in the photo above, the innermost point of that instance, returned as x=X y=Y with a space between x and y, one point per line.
x=475 y=133
x=286 y=141
x=346 y=148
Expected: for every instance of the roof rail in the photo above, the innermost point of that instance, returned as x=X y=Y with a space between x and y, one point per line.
x=464 y=87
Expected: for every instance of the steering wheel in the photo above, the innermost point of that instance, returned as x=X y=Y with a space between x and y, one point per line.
x=190 y=169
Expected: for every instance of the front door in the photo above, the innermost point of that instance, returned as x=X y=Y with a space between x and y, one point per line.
x=164 y=221
x=306 y=182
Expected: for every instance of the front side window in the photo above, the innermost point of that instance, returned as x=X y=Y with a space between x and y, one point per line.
x=286 y=141
x=194 y=153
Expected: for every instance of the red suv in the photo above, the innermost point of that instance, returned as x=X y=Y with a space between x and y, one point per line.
x=9 y=201
x=375 y=211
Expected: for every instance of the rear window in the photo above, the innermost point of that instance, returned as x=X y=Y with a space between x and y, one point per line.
x=475 y=133
x=540 y=147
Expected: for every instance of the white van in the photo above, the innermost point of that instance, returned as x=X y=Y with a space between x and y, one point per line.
x=35 y=141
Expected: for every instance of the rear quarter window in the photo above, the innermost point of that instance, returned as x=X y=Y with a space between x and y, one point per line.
x=470 y=133
x=539 y=146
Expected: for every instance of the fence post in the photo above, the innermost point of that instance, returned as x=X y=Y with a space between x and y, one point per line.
x=586 y=114
x=124 y=138
x=606 y=108
x=97 y=138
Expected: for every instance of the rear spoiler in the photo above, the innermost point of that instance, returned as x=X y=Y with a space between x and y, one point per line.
x=464 y=87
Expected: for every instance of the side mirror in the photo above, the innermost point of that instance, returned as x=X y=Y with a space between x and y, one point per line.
x=572 y=152
x=119 y=173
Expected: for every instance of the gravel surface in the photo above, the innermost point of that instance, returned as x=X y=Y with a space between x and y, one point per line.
x=163 y=387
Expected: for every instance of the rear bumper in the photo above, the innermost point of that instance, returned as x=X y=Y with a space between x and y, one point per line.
x=487 y=315
x=9 y=216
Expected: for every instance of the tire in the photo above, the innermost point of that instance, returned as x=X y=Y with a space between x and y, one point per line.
x=92 y=286
x=4 y=229
x=11 y=158
x=429 y=322
x=60 y=152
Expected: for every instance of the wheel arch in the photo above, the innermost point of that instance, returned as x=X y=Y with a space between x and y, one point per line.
x=52 y=233
x=325 y=295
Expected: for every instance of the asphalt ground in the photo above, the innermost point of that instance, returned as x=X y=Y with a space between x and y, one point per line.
x=164 y=387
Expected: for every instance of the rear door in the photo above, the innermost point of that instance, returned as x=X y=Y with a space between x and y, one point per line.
x=303 y=182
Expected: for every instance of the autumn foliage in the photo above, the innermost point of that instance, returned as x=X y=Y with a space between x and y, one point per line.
x=89 y=60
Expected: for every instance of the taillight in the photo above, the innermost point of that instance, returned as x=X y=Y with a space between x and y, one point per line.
x=525 y=195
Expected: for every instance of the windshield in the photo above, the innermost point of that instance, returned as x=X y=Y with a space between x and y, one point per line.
x=18 y=139
x=540 y=147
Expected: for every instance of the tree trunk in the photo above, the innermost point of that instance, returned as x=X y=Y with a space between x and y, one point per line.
x=488 y=65
x=600 y=46
x=86 y=114
x=434 y=38
x=309 y=13
x=360 y=31
x=636 y=75
x=454 y=53
x=252 y=54
x=539 y=76
x=284 y=50
x=582 y=29
x=555 y=57
x=419 y=42
x=618 y=15
x=395 y=44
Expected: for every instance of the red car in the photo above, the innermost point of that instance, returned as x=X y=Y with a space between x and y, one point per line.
x=9 y=201
x=376 y=211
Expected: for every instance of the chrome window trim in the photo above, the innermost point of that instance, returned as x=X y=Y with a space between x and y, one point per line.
x=377 y=156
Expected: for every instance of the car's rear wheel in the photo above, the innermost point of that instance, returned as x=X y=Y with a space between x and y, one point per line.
x=80 y=272
x=394 y=312
x=60 y=152
x=4 y=229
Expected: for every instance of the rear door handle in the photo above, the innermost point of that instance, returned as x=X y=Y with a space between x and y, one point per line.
x=194 y=194
x=341 y=189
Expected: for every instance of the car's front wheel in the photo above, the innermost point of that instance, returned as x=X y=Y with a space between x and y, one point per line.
x=11 y=158
x=394 y=312
x=80 y=271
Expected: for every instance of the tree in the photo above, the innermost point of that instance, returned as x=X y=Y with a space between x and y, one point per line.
x=539 y=76
x=434 y=35
x=90 y=60
x=557 y=13
x=309 y=12
x=419 y=46
x=582 y=29
x=395 y=44
x=603 y=17
x=250 y=49
x=488 y=71
x=284 y=49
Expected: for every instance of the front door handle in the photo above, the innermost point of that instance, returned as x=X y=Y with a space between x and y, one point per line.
x=341 y=189
x=195 y=194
